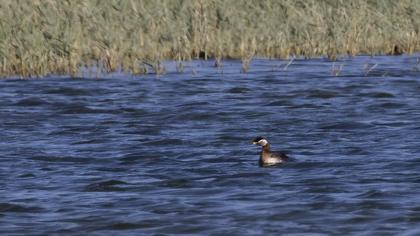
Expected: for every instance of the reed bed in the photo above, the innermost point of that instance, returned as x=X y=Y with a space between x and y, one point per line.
x=43 y=37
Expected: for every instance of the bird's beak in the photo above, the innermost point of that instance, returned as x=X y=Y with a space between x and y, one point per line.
x=254 y=142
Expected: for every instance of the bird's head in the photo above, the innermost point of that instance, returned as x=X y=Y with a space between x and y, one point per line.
x=260 y=141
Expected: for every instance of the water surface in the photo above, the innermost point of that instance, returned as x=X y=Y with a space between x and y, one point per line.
x=127 y=155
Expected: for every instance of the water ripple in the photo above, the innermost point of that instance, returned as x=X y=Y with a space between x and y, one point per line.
x=128 y=155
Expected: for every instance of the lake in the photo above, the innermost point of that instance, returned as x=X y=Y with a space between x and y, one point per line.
x=172 y=154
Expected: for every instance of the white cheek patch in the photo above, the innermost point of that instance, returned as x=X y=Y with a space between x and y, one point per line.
x=262 y=142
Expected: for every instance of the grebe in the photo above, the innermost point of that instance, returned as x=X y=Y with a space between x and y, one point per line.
x=268 y=158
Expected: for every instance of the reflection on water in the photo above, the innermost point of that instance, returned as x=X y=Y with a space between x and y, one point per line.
x=126 y=155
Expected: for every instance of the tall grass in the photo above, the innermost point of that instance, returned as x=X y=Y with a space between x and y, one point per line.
x=41 y=37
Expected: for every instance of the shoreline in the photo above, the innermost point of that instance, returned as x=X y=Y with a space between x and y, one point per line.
x=343 y=66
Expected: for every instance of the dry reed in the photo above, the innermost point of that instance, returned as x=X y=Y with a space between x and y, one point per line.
x=43 y=37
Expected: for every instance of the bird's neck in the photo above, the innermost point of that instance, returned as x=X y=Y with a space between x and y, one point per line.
x=266 y=148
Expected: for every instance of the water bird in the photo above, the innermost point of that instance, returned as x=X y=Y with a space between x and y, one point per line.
x=267 y=157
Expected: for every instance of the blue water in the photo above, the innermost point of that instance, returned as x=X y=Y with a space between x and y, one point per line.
x=171 y=154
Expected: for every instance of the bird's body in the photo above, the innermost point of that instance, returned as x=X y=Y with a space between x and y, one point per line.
x=267 y=157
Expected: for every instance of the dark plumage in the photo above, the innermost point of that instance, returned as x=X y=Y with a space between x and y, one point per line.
x=268 y=158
